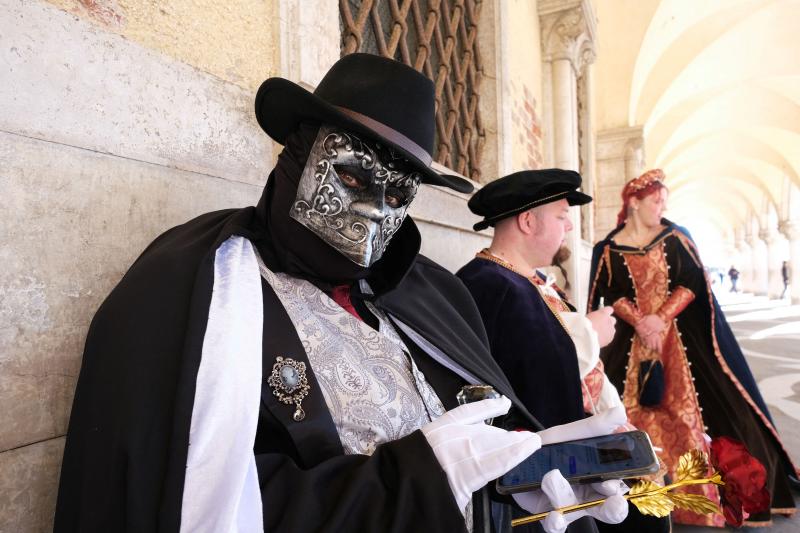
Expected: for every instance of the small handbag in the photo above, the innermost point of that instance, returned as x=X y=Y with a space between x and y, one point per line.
x=651 y=383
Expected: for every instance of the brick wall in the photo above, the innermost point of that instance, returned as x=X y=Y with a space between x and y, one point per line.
x=527 y=129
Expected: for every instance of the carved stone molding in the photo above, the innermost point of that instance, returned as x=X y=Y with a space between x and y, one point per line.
x=742 y=245
x=586 y=56
x=623 y=143
x=790 y=229
x=750 y=237
x=568 y=29
x=766 y=235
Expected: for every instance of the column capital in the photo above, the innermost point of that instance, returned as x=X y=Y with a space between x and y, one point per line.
x=568 y=29
x=766 y=235
x=740 y=242
x=790 y=229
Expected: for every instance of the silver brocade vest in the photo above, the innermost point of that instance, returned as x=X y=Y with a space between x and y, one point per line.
x=371 y=385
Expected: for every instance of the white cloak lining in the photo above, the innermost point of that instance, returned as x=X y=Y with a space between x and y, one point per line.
x=221 y=491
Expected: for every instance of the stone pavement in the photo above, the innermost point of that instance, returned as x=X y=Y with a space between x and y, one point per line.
x=769 y=334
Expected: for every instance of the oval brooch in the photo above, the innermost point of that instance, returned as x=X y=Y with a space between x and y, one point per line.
x=289 y=384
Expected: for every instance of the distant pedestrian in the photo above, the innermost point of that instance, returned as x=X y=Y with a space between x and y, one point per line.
x=786 y=273
x=734 y=275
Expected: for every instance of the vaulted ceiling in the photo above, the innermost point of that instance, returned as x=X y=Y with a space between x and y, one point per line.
x=716 y=86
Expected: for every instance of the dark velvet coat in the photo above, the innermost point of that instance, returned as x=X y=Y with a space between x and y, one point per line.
x=126 y=445
x=527 y=341
x=531 y=346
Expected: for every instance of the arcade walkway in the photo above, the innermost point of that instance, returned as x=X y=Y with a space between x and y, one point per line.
x=769 y=334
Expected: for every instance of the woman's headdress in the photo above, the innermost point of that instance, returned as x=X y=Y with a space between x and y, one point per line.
x=642 y=182
x=640 y=187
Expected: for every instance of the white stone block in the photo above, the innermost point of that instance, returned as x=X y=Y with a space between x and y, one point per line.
x=68 y=81
x=74 y=221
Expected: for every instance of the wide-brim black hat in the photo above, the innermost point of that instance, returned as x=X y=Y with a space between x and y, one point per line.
x=518 y=192
x=380 y=98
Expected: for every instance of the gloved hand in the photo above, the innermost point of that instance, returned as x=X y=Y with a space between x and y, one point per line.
x=603 y=423
x=557 y=492
x=472 y=453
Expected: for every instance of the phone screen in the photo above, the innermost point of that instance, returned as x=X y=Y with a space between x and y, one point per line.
x=596 y=458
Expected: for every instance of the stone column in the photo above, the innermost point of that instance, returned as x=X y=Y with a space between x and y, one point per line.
x=759 y=265
x=740 y=261
x=620 y=158
x=791 y=230
x=587 y=153
x=772 y=259
x=568 y=30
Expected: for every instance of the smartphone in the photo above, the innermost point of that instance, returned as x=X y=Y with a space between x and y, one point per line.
x=616 y=456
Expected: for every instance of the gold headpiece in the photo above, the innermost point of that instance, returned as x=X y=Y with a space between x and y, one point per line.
x=645 y=180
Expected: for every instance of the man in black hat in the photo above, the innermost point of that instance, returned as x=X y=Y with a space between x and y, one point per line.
x=294 y=366
x=549 y=352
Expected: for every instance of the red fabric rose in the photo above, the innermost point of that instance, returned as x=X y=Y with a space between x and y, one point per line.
x=744 y=492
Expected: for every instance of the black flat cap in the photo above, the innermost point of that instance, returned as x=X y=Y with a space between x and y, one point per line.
x=518 y=192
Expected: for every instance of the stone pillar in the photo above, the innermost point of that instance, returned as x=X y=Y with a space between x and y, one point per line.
x=587 y=155
x=745 y=266
x=772 y=259
x=759 y=265
x=620 y=158
x=740 y=260
x=791 y=230
x=568 y=31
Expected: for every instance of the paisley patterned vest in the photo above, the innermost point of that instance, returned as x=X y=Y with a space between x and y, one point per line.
x=371 y=385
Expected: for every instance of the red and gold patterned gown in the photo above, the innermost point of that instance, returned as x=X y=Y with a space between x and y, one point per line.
x=703 y=392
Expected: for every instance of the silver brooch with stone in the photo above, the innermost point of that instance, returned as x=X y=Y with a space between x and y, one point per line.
x=289 y=384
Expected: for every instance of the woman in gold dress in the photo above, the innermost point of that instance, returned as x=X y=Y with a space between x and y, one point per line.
x=674 y=359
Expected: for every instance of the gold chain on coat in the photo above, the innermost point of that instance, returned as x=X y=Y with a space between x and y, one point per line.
x=489 y=256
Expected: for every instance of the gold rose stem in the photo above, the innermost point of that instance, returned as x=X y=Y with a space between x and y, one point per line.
x=572 y=508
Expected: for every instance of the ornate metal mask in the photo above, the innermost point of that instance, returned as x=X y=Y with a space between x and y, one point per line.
x=354 y=194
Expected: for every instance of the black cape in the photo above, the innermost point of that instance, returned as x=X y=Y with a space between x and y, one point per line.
x=126 y=447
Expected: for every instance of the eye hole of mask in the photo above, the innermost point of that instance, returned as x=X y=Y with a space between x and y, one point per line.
x=351 y=177
x=395 y=198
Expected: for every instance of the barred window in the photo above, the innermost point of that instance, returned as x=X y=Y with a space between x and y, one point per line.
x=440 y=39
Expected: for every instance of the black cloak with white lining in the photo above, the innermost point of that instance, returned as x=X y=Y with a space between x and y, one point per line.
x=128 y=444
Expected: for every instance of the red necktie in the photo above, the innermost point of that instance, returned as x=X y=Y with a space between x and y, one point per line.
x=341 y=295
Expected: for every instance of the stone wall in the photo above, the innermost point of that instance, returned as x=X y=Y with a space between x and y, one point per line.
x=525 y=83
x=620 y=158
x=104 y=143
x=527 y=127
x=118 y=120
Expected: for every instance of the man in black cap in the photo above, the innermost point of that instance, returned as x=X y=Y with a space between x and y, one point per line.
x=294 y=366
x=549 y=352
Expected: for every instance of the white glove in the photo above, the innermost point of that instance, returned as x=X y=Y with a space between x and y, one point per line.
x=603 y=423
x=473 y=453
x=557 y=492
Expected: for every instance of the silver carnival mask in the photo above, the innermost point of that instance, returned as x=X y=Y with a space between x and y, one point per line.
x=354 y=194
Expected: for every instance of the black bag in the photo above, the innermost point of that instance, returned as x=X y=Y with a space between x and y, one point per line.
x=651 y=383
